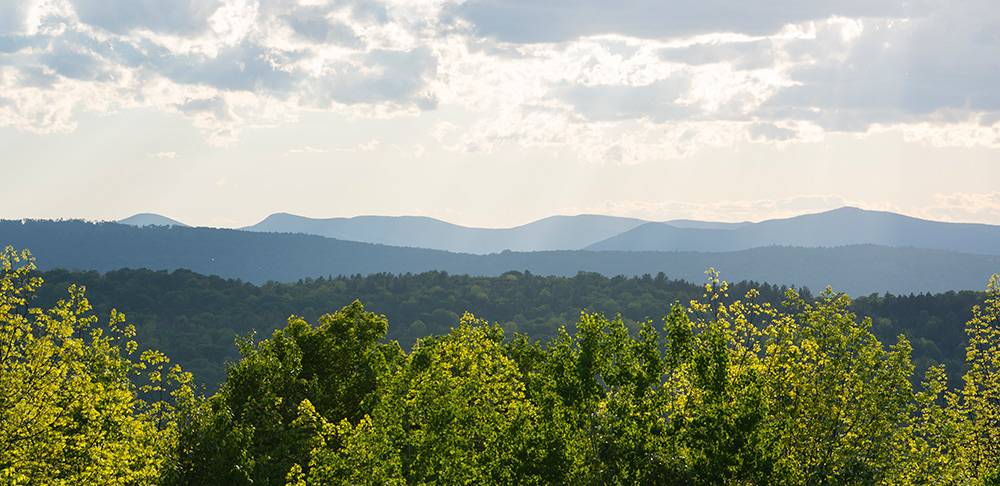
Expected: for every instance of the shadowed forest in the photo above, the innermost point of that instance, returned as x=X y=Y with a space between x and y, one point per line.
x=194 y=318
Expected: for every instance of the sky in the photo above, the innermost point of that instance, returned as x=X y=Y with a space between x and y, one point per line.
x=494 y=113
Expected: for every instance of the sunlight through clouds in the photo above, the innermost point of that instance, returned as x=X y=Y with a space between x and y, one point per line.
x=641 y=82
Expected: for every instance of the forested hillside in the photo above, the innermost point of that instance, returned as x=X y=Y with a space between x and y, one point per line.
x=721 y=390
x=195 y=318
x=260 y=257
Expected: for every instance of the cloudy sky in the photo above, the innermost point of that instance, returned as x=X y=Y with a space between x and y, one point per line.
x=497 y=112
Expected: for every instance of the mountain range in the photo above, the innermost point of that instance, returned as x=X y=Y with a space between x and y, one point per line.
x=261 y=257
x=844 y=226
x=839 y=227
x=150 y=219
x=552 y=233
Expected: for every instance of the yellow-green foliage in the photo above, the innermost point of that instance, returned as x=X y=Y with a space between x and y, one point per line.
x=981 y=394
x=740 y=393
x=456 y=413
x=722 y=391
x=70 y=406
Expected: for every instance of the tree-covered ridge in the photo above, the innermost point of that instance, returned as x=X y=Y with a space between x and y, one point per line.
x=727 y=389
x=263 y=257
x=195 y=318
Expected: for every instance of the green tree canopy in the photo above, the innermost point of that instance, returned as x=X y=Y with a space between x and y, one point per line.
x=78 y=403
x=247 y=433
x=728 y=388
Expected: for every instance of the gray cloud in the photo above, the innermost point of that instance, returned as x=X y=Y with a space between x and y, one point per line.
x=942 y=67
x=214 y=106
x=391 y=76
x=754 y=54
x=244 y=67
x=311 y=24
x=167 y=16
x=74 y=63
x=770 y=132
x=223 y=75
x=884 y=62
x=13 y=14
x=656 y=101
x=907 y=71
x=563 y=20
x=10 y=43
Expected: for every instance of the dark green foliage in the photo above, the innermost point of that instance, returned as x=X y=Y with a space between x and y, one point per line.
x=194 y=318
x=728 y=389
x=722 y=392
x=248 y=432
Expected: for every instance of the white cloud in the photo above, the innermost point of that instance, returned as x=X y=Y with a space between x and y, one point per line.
x=227 y=64
x=121 y=16
x=961 y=134
x=306 y=150
x=369 y=146
x=557 y=21
x=13 y=15
x=162 y=155
x=622 y=82
x=963 y=206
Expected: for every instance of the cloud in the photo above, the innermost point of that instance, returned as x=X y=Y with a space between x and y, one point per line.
x=742 y=53
x=13 y=15
x=963 y=206
x=929 y=77
x=621 y=82
x=564 y=20
x=369 y=146
x=381 y=76
x=226 y=64
x=306 y=150
x=313 y=24
x=895 y=71
x=660 y=100
x=162 y=155
x=164 y=16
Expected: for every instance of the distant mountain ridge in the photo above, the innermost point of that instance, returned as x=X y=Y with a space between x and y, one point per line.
x=261 y=257
x=839 y=227
x=693 y=223
x=150 y=219
x=552 y=233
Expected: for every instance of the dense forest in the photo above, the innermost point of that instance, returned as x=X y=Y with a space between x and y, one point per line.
x=726 y=389
x=195 y=318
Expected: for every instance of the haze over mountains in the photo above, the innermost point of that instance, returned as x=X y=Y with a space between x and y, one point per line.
x=854 y=250
x=839 y=227
x=150 y=219
x=552 y=233
x=260 y=257
x=844 y=226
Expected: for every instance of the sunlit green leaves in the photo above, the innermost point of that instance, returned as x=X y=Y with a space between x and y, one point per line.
x=722 y=391
x=75 y=402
